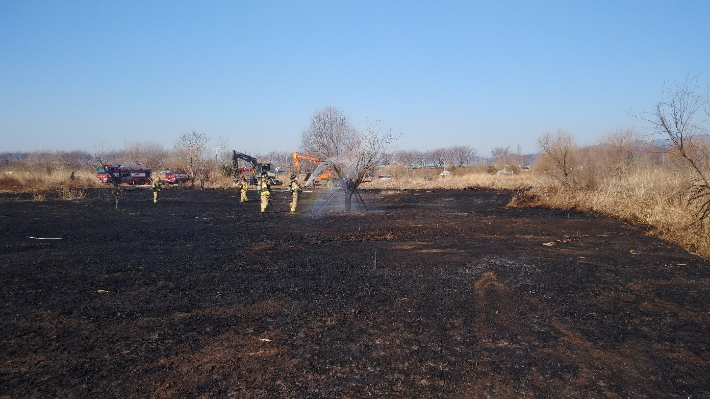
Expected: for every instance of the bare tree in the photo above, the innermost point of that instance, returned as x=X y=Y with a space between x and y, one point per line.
x=279 y=159
x=387 y=158
x=46 y=159
x=679 y=116
x=438 y=156
x=191 y=149
x=74 y=159
x=559 y=157
x=619 y=150
x=503 y=156
x=112 y=156
x=374 y=144
x=222 y=154
x=148 y=154
x=154 y=155
x=462 y=155
x=330 y=135
x=102 y=155
x=412 y=158
x=133 y=153
x=421 y=158
x=406 y=158
x=352 y=155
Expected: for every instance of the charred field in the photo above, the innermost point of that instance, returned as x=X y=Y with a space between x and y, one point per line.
x=426 y=294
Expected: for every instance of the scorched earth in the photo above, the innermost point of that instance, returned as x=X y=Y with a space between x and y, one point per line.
x=424 y=294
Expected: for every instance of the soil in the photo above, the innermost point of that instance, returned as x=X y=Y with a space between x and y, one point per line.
x=423 y=294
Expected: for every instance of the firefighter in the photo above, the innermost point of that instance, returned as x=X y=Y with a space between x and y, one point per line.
x=265 y=191
x=157 y=184
x=243 y=186
x=295 y=189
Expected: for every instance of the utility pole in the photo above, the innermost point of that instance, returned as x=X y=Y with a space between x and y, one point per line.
x=216 y=152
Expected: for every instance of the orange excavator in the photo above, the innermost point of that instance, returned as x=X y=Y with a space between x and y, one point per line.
x=325 y=178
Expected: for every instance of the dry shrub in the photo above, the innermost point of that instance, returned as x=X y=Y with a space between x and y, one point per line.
x=218 y=180
x=70 y=194
x=215 y=181
x=10 y=183
x=38 y=196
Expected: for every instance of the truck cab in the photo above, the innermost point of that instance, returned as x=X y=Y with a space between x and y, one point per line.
x=175 y=176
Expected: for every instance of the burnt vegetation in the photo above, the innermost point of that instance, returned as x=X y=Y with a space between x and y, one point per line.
x=428 y=294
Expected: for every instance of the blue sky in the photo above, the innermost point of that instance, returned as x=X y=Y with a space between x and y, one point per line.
x=78 y=75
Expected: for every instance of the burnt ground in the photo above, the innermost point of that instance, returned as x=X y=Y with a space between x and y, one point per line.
x=428 y=294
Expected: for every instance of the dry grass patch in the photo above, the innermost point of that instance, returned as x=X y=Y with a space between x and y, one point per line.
x=43 y=185
x=452 y=182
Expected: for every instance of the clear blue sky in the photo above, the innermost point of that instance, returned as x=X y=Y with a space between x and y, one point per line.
x=77 y=75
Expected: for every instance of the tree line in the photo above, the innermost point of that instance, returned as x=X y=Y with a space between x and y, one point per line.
x=680 y=118
x=561 y=156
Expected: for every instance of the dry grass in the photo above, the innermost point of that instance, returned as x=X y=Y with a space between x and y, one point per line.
x=41 y=184
x=453 y=182
x=218 y=181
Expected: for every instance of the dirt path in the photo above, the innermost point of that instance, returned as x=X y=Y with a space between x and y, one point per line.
x=443 y=294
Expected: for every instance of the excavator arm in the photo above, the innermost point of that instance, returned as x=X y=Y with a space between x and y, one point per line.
x=308 y=157
x=238 y=155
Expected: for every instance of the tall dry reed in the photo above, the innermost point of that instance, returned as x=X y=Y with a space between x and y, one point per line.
x=453 y=182
x=40 y=183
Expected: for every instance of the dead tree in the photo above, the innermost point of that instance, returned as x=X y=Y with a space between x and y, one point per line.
x=329 y=135
x=353 y=154
x=191 y=149
x=682 y=115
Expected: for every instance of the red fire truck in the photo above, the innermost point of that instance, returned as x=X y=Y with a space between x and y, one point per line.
x=173 y=176
x=129 y=174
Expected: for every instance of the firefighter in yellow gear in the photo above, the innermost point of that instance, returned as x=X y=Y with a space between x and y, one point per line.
x=265 y=191
x=295 y=189
x=156 y=186
x=243 y=186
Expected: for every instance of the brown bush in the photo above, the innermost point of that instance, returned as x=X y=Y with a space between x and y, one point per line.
x=10 y=183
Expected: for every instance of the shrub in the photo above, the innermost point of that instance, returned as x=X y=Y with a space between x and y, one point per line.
x=226 y=170
x=10 y=183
